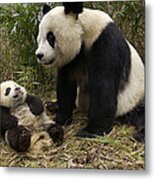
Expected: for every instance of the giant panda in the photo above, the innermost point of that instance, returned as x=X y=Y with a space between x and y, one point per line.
x=25 y=125
x=97 y=67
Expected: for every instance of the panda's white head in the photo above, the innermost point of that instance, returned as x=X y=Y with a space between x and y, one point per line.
x=11 y=94
x=60 y=35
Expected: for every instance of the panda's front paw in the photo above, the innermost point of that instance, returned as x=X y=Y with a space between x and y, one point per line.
x=84 y=134
x=92 y=131
x=56 y=132
x=19 y=139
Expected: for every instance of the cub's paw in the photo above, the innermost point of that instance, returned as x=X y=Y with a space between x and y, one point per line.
x=52 y=107
x=35 y=104
x=56 y=132
x=18 y=138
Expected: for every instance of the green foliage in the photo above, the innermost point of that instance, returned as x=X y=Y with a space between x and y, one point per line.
x=19 y=29
x=20 y=25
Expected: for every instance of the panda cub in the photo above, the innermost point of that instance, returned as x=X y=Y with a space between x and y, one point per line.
x=97 y=68
x=24 y=123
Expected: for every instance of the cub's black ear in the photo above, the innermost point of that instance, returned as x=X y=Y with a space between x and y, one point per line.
x=46 y=9
x=75 y=7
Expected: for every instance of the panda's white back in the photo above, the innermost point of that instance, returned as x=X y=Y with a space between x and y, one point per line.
x=134 y=89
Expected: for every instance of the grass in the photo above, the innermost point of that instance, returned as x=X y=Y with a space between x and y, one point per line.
x=117 y=150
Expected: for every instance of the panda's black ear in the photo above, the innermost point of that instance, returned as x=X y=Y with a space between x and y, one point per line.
x=75 y=7
x=46 y=9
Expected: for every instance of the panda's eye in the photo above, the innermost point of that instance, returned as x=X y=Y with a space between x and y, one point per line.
x=51 y=38
x=7 y=91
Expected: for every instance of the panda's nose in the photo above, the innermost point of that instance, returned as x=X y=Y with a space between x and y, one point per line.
x=39 y=56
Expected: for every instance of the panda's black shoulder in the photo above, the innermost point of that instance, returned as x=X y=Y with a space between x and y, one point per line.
x=113 y=53
x=5 y=112
x=112 y=38
x=7 y=120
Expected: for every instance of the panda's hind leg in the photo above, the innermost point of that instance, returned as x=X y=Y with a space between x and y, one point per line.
x=136 y=117
x=56 y=132
x=139 y=123
x=19 y=138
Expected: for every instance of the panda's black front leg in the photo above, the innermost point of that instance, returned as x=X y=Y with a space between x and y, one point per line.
x=102 y=99
x=101 y=112
x=35 y=104
x=66 y=95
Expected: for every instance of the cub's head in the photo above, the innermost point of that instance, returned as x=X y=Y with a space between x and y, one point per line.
x=11 y=94
x=60 y=35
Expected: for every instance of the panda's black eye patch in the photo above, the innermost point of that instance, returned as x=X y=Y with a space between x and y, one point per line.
x=7 y=91
x=51 y=38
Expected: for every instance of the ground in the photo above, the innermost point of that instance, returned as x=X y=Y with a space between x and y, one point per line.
x=117 y=150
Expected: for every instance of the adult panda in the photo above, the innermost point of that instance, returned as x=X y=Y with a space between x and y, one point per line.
x=96 y=65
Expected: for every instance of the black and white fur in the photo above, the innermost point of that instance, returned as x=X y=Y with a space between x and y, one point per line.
x=25 y=124
x=97 y=67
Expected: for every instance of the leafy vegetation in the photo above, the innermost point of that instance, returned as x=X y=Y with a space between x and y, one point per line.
x=19 y=30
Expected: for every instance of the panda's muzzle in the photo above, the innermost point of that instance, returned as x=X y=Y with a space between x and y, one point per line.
x=18 y=93
x=42 y=60
x=15 y=96
x=48 y=63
